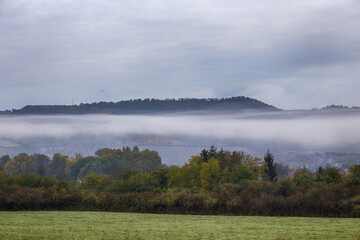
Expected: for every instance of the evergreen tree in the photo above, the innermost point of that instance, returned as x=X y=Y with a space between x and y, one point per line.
x=270 y=169
x=212 y=151
x=205 y=155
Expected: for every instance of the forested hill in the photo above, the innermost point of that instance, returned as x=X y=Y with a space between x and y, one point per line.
x=143 y=106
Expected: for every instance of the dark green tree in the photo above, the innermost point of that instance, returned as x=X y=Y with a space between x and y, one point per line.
x=319 y=174
x=270 y=168
x=40 y=161
x=58 y=165
x=205 y=155
x=355 y=173
x=331 y=175
x=212 y=151
x=3 y=160
x=42 y=170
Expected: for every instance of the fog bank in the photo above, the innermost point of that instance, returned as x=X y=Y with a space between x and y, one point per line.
x=304 y=131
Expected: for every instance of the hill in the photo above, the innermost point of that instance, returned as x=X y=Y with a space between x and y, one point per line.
x=148 y=106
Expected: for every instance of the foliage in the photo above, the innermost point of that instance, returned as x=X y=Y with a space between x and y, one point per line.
x=40 y=161
x=270 y=169
x=35 y=181
x=355 y=173
x=58 y=165
x=227 y=183
x=240 y=173
x=210 y=173
x=331 y=175
x=211 y=167
x=19 y=164
x=107 y=162
x=95 y=183
x=3 y=160
x=115 y=161
x=304 y=179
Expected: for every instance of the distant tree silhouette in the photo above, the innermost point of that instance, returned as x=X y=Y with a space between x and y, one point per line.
x=139 y=106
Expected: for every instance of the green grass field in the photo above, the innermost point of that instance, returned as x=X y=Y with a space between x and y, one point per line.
x=105 y=225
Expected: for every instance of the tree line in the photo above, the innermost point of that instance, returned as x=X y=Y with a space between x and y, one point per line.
x=213 y=182
x=106 y=162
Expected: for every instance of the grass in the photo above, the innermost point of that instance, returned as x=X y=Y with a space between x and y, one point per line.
x=105 y=225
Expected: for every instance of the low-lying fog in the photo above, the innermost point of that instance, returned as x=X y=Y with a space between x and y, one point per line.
x=306 y=131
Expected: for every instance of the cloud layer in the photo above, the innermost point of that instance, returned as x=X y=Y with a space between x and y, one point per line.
x=308 y=132
x=292 y=54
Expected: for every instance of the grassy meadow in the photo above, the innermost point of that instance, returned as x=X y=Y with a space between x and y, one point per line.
x=106 y=225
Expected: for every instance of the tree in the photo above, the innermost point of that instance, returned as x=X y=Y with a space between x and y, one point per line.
x=355 y=173
x=180 y=177
x=205 y=155
x=19 y=164
x=270 y=169
x=41 y=170
x=58 y=166
x=82 y=166
x=328 y=175
x=240 y=173
x=3 y=160
x=319 y=174
x=212 y=151
x=95 y=182
x=3 y=180
x=209 y=173
x=100 y=151
x=195 y=167
x=40 y=161
x=304 y=179
x=331 y=175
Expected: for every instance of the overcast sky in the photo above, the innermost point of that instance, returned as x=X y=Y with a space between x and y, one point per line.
x=291 y=54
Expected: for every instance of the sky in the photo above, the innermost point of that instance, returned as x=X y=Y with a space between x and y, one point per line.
x=297 y=54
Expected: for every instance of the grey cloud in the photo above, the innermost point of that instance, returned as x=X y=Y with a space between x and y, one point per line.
x=54 y=51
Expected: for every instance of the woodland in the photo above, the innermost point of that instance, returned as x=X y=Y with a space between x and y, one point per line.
x=213 y=182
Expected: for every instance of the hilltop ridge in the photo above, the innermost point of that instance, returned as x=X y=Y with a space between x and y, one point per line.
x=148 y=106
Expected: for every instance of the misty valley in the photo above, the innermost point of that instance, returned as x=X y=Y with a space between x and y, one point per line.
x=297 y=138
x=204 y=159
